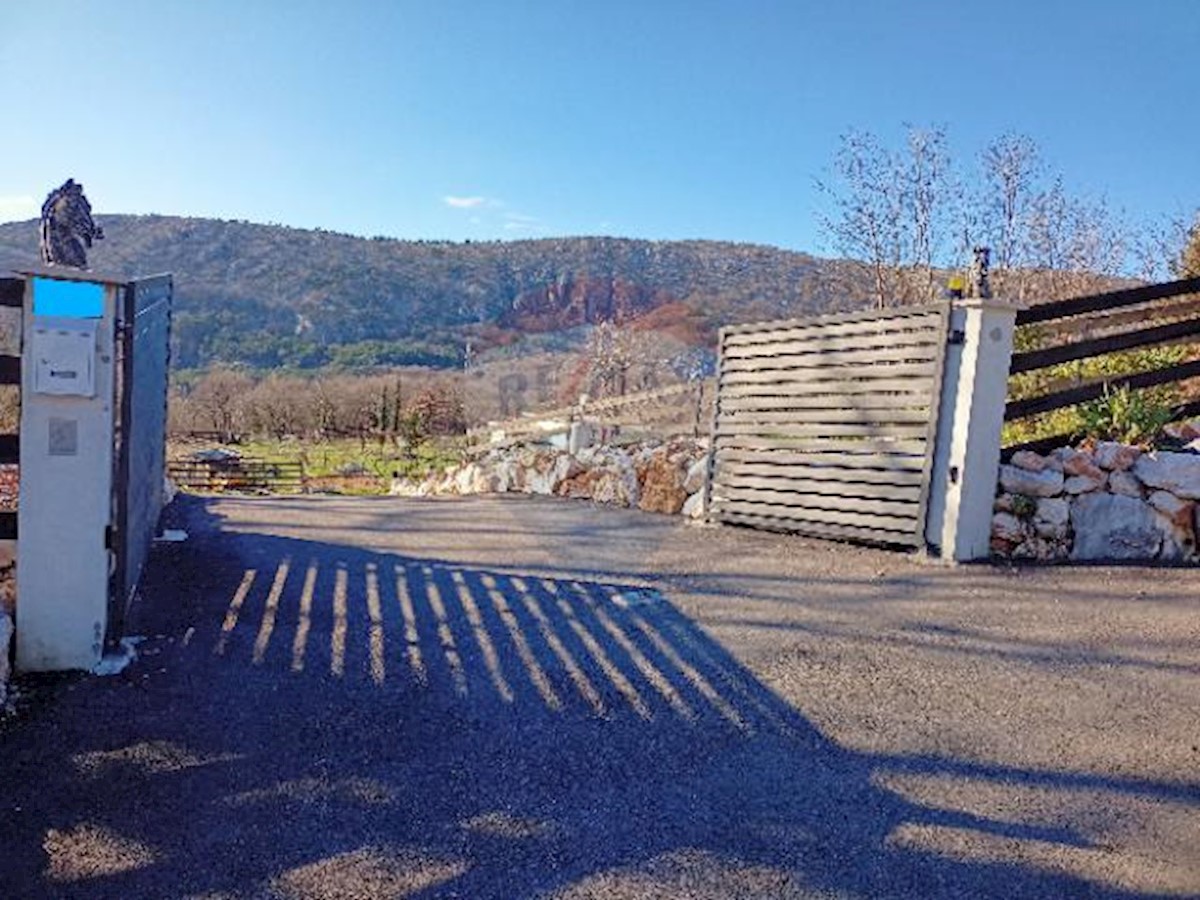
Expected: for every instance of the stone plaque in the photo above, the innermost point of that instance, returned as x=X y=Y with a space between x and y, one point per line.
x=64 y=437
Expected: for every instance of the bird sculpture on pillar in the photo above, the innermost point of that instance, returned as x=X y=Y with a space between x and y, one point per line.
x=981 y=287
x=67 y=227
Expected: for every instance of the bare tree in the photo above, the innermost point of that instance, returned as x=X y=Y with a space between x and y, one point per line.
x=928 y=190
x=907 y=214
x=219 y=398
x=438 y=411
x=1011 y=168
x=609 y=357
x=326 y=407
x=280 y=405
x=1072 y=244
x=868 y=210
x=1188 y=263
x=1169 y=248
x=893 y=210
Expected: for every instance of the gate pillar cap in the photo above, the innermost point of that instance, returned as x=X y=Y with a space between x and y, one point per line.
x=996 y=303
x=64 y=273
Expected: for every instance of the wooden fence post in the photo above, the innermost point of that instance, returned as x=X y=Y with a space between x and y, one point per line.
x=966 y=459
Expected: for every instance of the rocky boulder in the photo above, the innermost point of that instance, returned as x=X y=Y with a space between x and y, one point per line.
x=1085 y=484
x=1016 y=480
x=406 y=487
x=545 y=472
x=1125 y=483
x=1114 y=456
x=509 y=474
x=1052 y=511
x=1081 y=463
x=1178 y=473
x=662 y=485
x=1114 y=527
x=1176 y=522
x=1051 y=518
x=565 y=466
x=1007 y=527
x=696 y=475
x=607 y=476
x=653 y=476
x=1029 y=461
x=1184 y=432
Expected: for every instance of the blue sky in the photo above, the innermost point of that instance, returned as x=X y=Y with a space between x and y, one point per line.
x=654 y=119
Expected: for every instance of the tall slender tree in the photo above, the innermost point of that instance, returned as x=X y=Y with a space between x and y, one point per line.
x=866 y=221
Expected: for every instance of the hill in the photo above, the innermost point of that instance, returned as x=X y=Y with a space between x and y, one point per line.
x=269 y=296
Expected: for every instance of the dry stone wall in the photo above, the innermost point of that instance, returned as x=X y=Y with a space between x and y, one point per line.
x=653 y=477
x=1106 y=501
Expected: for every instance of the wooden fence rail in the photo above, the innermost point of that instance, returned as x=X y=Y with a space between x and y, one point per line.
x=673 y=408
x=245 y=474
x=1094 y=312
x=1085 y=349
x=1095 y=303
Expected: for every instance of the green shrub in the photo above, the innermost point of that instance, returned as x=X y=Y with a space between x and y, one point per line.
x=1118 y=414
x=1024 y=506
x=1131 y=417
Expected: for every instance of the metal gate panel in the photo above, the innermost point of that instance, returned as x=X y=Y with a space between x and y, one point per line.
x=826 y=426
x=144 y=359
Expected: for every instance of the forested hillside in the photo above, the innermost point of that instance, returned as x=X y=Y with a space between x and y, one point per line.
x=271 y=296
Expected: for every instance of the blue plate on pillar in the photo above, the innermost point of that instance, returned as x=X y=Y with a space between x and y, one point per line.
x=68 y=299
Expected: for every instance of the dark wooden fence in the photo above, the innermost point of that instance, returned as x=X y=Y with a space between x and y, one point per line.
x=826 y=426
x=1099 y=324
x=12 y=296
x=240 y=475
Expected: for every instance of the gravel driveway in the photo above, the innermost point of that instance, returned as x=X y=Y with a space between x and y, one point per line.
x=518 y=698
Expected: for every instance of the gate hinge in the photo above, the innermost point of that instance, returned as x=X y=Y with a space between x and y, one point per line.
x=957 y=336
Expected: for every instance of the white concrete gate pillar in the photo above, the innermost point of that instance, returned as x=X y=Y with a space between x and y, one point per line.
x=66 y=494
x=966 y=460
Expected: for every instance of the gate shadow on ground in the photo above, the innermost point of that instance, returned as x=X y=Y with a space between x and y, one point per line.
x=343 y=723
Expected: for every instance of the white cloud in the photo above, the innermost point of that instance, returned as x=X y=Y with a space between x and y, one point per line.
x=13 y=209
x=464 y=202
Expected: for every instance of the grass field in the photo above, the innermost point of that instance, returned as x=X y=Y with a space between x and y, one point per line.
x=343 y=465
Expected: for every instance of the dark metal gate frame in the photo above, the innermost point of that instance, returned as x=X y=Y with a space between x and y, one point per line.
x=143 y=360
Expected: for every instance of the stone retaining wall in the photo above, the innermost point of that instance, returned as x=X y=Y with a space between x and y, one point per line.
x=654 y=477
x=1108 y=501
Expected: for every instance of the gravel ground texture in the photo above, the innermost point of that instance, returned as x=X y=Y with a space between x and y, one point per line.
x=519 y=697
